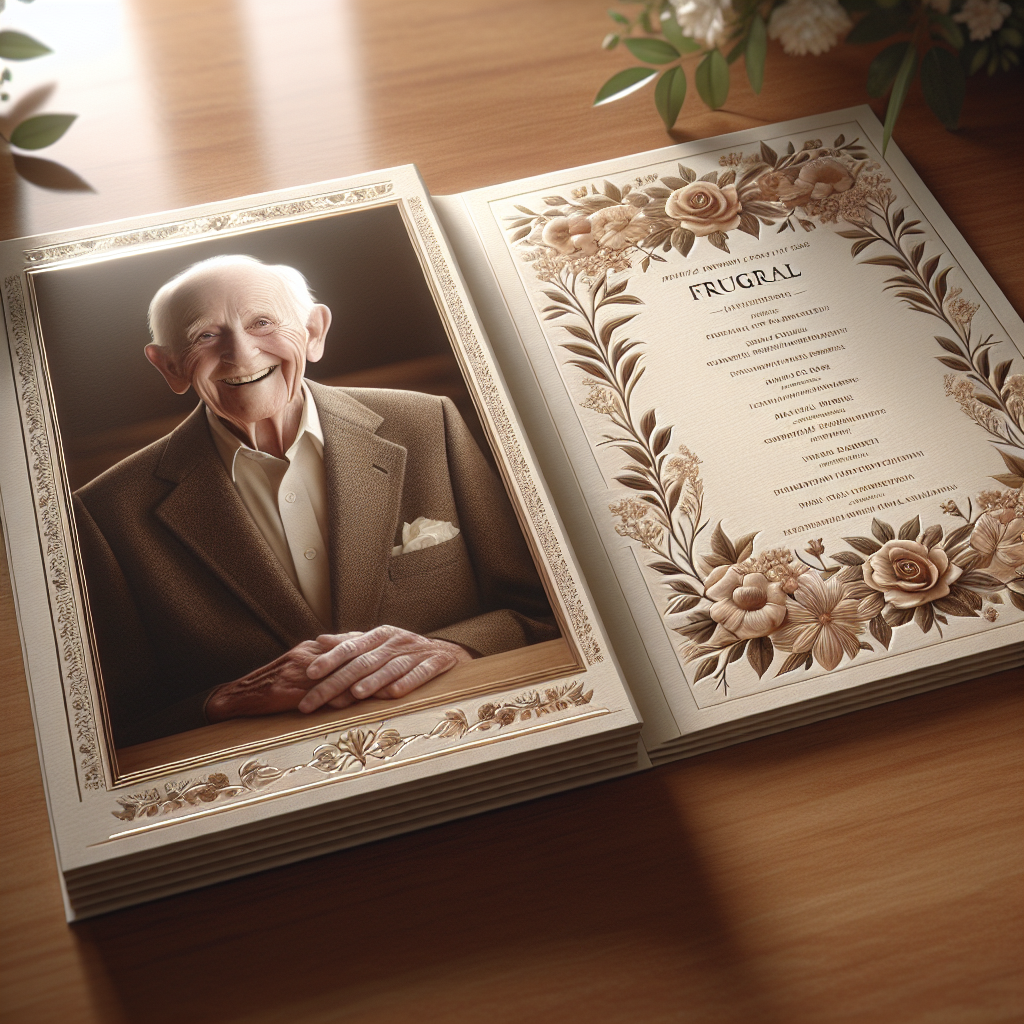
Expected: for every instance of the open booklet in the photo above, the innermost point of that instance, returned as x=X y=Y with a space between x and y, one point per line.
x=659 y=454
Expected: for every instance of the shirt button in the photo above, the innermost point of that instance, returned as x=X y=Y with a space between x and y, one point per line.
x=290 y=497
x=310 y=553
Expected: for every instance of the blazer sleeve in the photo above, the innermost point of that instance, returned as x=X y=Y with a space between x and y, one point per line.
x=130 y=669
x=518 y=610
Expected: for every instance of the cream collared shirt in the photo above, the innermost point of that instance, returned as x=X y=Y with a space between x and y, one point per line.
x=287 y=499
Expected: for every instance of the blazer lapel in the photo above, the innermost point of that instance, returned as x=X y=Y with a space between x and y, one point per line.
x=206 y=514
x=364 y=492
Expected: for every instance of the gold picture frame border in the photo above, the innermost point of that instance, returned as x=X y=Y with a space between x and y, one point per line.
x=95 y=756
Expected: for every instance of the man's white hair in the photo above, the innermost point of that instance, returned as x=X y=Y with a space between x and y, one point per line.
x=296 y=285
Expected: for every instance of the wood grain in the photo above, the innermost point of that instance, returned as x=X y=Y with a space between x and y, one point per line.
x=865 y=869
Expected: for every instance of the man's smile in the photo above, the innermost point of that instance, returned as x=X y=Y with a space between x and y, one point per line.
x=252 y=378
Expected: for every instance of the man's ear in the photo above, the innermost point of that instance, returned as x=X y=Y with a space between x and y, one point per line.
x=318 y=323
x=163 y=359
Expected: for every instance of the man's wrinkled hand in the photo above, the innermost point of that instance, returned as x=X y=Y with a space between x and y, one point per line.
x=384 y=662
x=270 y=689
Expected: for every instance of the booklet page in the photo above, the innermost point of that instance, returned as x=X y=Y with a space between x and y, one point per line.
x=798 y=420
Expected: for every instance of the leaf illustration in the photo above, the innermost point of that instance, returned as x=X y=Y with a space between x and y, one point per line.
x=954 y=364
x=978 y=580
x=637 y=454
x=982 y=362
x=720 y=240
x=883 y=531
x=636 y=483
x=745 y=545
x=736 y=652
x=1009 y=479
x=705 y=668
x=959 y=534
x=768 y=155
x=749 y=224
x=682 y=587
x=721 y=545
x=760 y=652
x=699 y=629
x=613 y=325
x=682 y=604
x=881 y=631
x=910 y=529
x=595 y=369
x=963 y=603
x=931 y=536
x=887 y=261
x=612 y=191
x=665 y=568
x=793 y=662
x=949 y=346
x=924 y=617
x=897 y=616
x=865 y=545
x=847 y=558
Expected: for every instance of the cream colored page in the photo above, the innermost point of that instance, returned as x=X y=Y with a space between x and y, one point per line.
x=805 y=477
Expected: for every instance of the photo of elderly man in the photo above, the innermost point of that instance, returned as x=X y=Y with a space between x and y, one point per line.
x=290 y=545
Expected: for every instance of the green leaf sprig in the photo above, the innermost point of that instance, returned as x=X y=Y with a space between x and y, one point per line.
x=941 y=41
x=43 y=129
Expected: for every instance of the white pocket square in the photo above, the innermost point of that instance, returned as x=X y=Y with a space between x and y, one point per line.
x=424 y=533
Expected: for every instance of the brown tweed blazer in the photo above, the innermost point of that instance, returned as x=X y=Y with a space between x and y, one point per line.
x=186 y=594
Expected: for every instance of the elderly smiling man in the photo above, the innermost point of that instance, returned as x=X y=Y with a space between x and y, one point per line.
x=290 y=545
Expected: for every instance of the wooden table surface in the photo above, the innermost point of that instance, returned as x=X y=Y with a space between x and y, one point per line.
x=867 y=868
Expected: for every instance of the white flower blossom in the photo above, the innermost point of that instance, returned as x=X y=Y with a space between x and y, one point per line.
x=983 y=17
x=809 y=26
x=709 y=22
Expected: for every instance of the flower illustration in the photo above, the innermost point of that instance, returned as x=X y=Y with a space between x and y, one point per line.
x=821 y=619
x=616 y=227
x=782 y=187
x=824 y=176
x=634 y=522
x=998 y=540
x=1013 y=393
x=808 y=26
x=703 y=207
x=568 y=235
x=908 y=574
x=746 y=605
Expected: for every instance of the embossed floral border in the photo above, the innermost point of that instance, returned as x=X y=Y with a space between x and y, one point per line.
x=775 y=599
x=354 y=751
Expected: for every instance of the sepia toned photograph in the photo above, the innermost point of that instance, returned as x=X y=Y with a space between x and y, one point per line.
x=288 y=511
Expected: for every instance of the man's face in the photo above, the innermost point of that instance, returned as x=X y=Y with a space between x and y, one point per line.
x=240 y=342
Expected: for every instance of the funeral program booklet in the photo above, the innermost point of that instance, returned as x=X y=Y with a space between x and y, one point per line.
x=706 y=442
x=783 y=399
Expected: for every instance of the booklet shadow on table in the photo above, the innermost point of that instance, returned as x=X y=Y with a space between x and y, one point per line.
x=579 y=473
